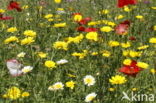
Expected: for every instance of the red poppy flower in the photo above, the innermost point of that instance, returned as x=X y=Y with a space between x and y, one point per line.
x=131 y=70
x=91 y=30
x=132 y=38
x=84 y=21
x=122 y=3
x=81 y=28
x=5 y=18
x=122 y=28
x=126 y=22
x=14 y=5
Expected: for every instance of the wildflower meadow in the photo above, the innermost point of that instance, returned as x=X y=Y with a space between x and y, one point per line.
x=78 y=51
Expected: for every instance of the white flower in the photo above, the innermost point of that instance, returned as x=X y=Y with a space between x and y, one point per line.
x=89 y=80
x=27 y=69
x=13 y=64
x=14 y=67
x=21 y=55
x=62 y=61
x=28 y=14
x=15 y=72
x=56 y=86
x=90 y=97
x=60 y=12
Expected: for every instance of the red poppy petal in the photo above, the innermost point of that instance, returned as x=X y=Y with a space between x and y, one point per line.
x=122 y=3
x=91 y=30
x=130 y=70
x=6 y=18
x=81 y=28
x=127 y=22
x=133 y=63
x=14 y=5
x=132 y=38
x=84 y=21
x=88 y=19
x=121 y=29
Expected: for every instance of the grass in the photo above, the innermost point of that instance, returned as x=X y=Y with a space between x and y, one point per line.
x=38 y=81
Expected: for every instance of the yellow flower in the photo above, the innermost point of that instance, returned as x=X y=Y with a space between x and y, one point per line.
x=71 y=75
x=143 y=47
x=61 y=20
x=153 y=71
x=154 y=7
x=100 y=22
x=60 y=45
x=92 y=23
x=50 y=64
x=134 y=54
x=113 y=43
x=12 y=29
x=142 y=65
x=30 y=33
x=111 y=89
x=27 y=41
x=104 y=21
x=154 y=28
x=57 y=1
x=50 y=19
x=119 y=17
x=125 y=53
x=70 y=84
x=2 y=11
x=25 y=7
x=131 y=53
x=92 y=36
x=42 y=55
x=60 y=9
x=134 y=89
x=21 y=55
x=25 y=94
x=5 y=96
x=57 y=16
x=106 y=29
x=80 y=55
x=127 y=62
x=76 y=39
x=106 y=53
x=60 y=25
x=125 y=45
x=14 y=93
x=11 y=39
x=94 y=53
x=139 y=17
x=77 y=17
x=48 y=16
x=104 y=11
x=111 y=24
x=117 y=79
x=127 y=9
x=56 y=86
x=152 y=40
